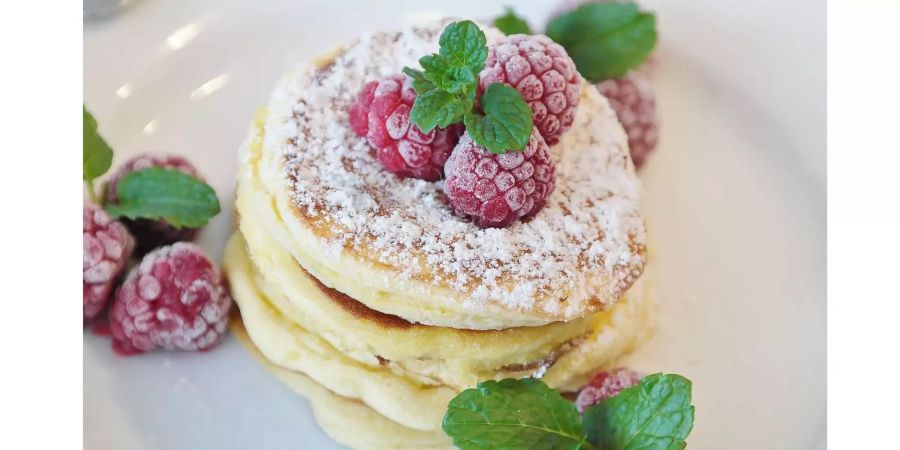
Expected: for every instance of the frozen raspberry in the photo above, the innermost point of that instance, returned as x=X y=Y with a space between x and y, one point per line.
x=107 y=247
x=175 y=300
x=604 y=385
x=495 y=190
x=543 y=73
x=359 y=110
x=381 y=114
x=152 y=233
x=634 y=100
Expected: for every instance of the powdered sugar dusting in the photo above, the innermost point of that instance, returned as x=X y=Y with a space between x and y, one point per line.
x=586 y=245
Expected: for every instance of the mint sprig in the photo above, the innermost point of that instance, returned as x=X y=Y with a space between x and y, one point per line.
x=95 y=153
x=655 y=414
x=510 y=23
x=513 y=414
x=447 y=87
x=167 y=194
x=605 y=40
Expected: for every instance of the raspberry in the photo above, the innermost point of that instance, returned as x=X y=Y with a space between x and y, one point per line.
x=633 y=99
x=543 y=73
x=494 y=190
x=107 y=247
x=605 y=385
x=175 y=299
x=152 y=233
x=359 y=110
x=381 y=114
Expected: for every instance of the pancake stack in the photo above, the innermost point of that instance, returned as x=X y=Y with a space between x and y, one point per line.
x=365 y=294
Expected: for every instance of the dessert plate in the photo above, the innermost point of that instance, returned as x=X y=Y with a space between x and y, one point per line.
x=734 y=201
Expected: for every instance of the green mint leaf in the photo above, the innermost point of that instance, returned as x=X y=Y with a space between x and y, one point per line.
x=506 y=124
x=510 y=23
x=95 y=152
x=655 y=414
x=155 y=193
x=590 y=20
x=441 y=72
x=464 y=45
x=438 y=108
x=513 y=414
x=420 y=84
x=447 y=86
x=605 y=40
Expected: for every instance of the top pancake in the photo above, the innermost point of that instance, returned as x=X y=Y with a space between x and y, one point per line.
x=394 y=245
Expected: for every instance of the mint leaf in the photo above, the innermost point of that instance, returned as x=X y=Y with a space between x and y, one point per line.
x=446 y=88
x=155 y=193
x=590 y=20
x=438 y=108
x=420 y=84
x=510 y=23
x=513 y=414
x=464 y=45
x=605 y=40
x=95 y=152
x=655 y=414
x=440 y=71
x=506 y=124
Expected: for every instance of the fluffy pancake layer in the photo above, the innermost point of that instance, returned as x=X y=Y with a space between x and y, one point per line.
x=398 y=392
x=348 y=421
x=394 y=245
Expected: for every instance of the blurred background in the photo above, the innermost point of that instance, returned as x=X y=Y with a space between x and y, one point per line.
x=734 y=200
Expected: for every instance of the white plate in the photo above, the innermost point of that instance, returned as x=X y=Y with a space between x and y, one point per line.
x=734 y=201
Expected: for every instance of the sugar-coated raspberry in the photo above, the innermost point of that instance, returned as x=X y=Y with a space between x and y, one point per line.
x=359 y=110
x=634 y=101
x=175 y=299
x=495 y=190
x=148 y=233
x=107 y=247
x=543 y=73
x=604 y=385
x=381 y=114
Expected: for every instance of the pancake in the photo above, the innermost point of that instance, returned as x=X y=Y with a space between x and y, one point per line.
x=395 y=246
x=347 y=421
x=373 y=337
x=292 y=347
x=396 y=394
